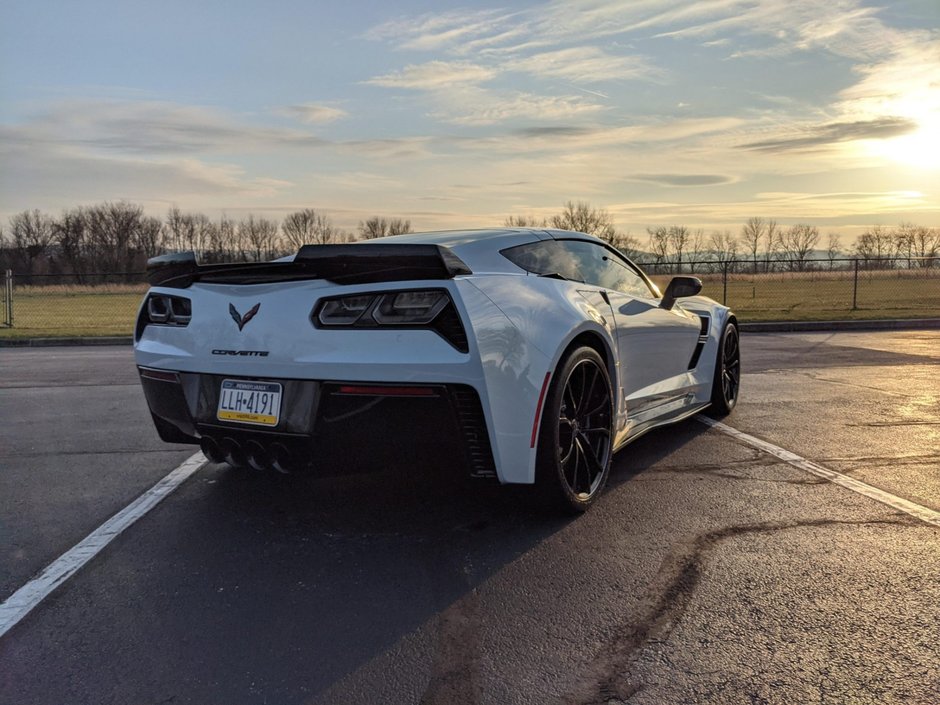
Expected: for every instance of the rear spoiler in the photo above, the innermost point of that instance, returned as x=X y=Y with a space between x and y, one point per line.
x=363 y=263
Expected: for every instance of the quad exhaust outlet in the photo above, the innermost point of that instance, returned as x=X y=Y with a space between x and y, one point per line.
x=250 y=453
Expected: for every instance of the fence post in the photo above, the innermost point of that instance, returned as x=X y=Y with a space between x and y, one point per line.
x=8 y=295
x=855 y=287
x=724 y=285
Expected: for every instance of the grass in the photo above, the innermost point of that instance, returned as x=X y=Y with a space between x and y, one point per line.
x=826 y=296
x=75 y=311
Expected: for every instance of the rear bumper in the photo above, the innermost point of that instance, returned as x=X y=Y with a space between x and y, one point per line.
x=320 y=418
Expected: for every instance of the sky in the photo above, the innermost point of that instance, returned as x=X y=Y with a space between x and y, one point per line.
x=459 y=115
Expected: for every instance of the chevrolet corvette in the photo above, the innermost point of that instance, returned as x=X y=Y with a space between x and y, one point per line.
x=542 y=352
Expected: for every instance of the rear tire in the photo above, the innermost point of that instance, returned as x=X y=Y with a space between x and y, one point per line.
x=576 y=434
x=726 y=384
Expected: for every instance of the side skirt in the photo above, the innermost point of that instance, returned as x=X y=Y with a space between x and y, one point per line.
x=642 y=429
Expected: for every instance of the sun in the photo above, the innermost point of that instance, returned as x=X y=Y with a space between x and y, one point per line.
x=919 y=149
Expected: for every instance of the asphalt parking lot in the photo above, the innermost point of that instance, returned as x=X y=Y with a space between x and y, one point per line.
x=711 y=571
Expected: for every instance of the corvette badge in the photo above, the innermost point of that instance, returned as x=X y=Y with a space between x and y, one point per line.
x=240 y=320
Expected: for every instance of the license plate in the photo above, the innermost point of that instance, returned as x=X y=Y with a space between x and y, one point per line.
x=256 y=403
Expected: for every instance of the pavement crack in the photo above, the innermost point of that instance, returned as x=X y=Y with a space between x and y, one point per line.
x=720 y=471
x=662 y=608
x=819 y=378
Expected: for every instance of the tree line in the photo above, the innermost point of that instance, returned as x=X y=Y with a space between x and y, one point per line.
x=761 y=245
x=118 y=237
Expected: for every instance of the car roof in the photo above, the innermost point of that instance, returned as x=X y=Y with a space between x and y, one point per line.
x=456 y=238
x=480 y=249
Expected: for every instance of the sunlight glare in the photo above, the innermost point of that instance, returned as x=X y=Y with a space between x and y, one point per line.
x=919 y=149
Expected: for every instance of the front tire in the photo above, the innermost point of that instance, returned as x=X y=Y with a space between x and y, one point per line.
x=576 y=434
x=726 y=384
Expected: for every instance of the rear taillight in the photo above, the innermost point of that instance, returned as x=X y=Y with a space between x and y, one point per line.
x=164 y=310
x=409 y=307
x=420 y=308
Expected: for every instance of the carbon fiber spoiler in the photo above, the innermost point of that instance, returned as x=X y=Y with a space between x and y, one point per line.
x=364 y=263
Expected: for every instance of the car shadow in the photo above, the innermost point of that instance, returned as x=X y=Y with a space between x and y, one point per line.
x=288 y=585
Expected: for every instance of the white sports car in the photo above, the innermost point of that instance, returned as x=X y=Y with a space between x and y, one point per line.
x=541 y=351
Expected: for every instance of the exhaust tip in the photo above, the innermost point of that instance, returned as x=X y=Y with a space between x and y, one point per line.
x=210 y=448
x=256 y=455
x=233 y=453
x=282 y=459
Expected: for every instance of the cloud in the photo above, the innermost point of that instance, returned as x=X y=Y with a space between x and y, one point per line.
x=832 y=133
x=906 y=83
x=50 y=176
x=153 y=128
x=475 y=106
x=434 y=75
x=433 y=31
x=313 y=113
x=684 y=179
x=583 y=65
x=554 y=131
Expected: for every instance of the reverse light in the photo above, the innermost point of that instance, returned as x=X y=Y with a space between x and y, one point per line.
x=410 y=307
x=345 y=311
x=164 y=310
x=419 y=308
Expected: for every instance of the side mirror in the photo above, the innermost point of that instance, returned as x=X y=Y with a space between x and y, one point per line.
x=679 y=287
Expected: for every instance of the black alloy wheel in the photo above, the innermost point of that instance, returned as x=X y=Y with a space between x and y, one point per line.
x=727 y=381
x=575 y=442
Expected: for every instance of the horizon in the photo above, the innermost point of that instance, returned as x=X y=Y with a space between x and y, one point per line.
x=660 y=112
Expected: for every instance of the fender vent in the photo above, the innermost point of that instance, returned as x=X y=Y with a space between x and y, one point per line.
x=702 y=339
x=472 y=425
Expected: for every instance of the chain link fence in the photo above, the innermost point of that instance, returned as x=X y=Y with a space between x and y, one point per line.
x=65 y=305
x=35 y=306
x=801 y=290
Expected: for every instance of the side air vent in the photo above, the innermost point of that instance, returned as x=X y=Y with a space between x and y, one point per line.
x=473 y=431
x=702 y=339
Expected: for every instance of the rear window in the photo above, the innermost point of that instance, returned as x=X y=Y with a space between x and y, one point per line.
x=544 y=257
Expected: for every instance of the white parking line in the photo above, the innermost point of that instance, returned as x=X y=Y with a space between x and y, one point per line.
x=19 y=604
x=928 y=516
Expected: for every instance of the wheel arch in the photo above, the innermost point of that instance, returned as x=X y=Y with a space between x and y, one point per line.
x=600 y=345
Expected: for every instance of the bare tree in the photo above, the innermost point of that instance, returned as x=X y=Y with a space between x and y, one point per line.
x=188 y=231
x=376 y=227
x=582 y=218
x=309 y=227
x=112 y=231
x=874 y=245
x=628 y=245
x=525 y=221
x=725 y=247
x=752 y=235
x=148 y=237
x=696 y=251
x=258 y=236
x=31 y=233
x=659 y=243
x=225 y=241
x=798 y=242
x=678 y=240
x=834 y=249
x=926 y=245
x=175 y=229
x=773 y=240
x=70 y=231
